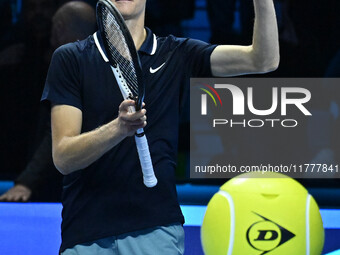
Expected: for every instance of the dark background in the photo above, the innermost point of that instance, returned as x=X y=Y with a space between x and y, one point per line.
x=309 y=45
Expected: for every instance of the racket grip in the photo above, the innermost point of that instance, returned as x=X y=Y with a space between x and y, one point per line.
x=149 y=177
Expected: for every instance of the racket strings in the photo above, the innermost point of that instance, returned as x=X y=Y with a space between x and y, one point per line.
x=119 y=50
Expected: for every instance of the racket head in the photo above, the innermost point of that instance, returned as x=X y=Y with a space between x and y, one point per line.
x=120 y=48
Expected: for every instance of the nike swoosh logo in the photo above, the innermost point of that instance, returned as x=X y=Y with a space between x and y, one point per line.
x=156 y=69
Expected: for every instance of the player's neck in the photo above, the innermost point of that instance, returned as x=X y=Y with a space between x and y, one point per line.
x=137 y=30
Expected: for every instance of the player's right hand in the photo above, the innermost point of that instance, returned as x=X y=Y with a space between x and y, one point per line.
x=129 y=122
x=18 y=193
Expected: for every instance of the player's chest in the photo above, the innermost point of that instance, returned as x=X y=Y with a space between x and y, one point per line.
x=101 y=95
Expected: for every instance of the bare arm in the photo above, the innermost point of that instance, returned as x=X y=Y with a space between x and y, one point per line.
x=260 y=57
x=74 y=151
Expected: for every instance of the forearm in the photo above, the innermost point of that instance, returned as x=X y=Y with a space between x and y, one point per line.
x=265 y=47
x=73 y=150
x=77 y=152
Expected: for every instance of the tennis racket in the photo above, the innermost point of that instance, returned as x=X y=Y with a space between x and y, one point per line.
x=125 y=64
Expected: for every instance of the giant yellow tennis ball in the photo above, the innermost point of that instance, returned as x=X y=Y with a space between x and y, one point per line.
x=253 y=216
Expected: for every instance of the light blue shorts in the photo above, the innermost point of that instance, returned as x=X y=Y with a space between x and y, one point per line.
x=167 y=240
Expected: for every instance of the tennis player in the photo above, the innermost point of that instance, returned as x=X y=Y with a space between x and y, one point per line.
x=106 y=207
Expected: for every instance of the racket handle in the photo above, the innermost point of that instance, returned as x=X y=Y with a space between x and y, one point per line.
x=149 y=177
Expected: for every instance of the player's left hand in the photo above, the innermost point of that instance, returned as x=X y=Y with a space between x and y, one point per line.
x=129 y=122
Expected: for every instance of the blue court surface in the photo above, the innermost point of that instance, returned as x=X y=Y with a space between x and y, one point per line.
x=34 y=228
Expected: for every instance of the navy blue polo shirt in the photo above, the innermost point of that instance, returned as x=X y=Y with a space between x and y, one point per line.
x=108 y=197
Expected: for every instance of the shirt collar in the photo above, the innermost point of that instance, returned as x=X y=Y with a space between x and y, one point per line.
x=149 y=46
x=99 y=43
